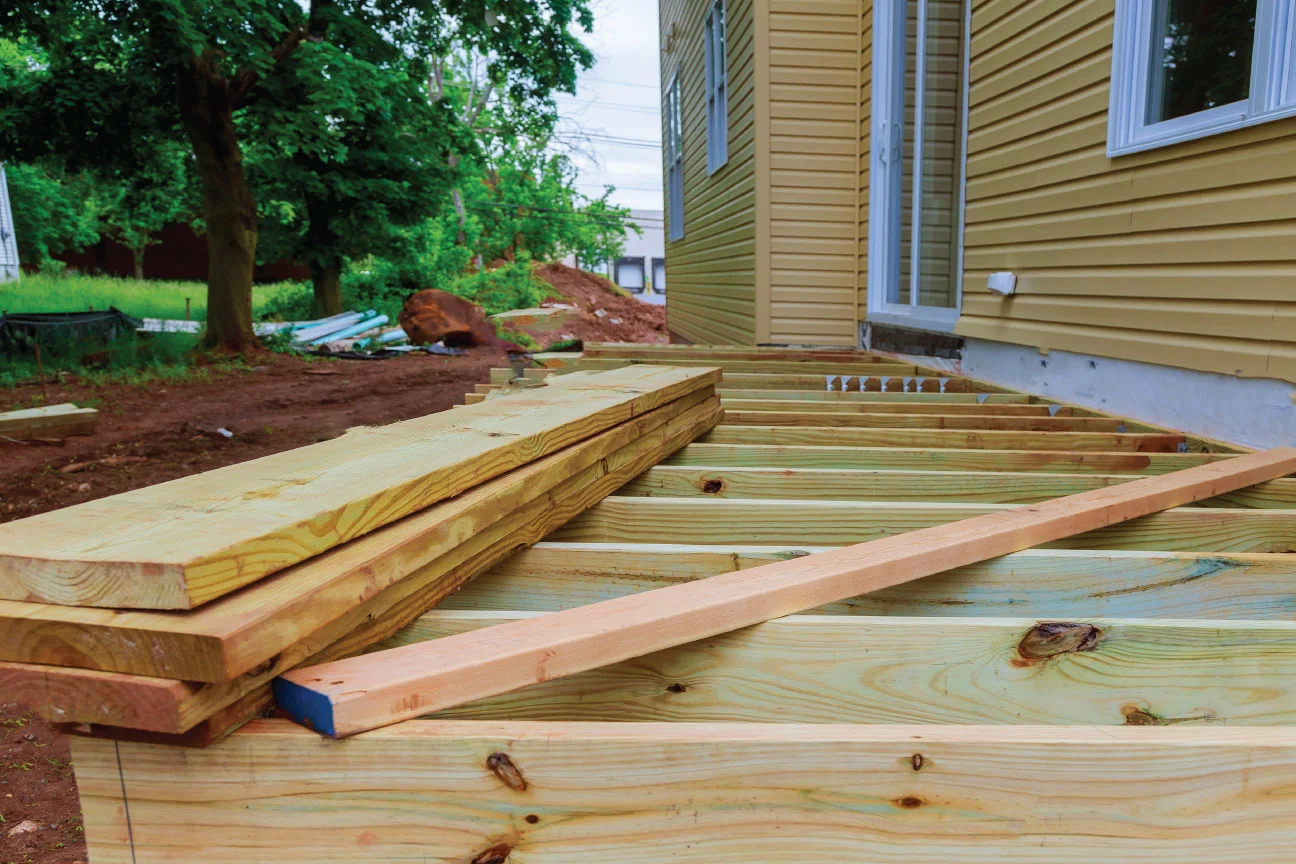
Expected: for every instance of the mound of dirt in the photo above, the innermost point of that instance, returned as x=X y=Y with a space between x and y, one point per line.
x=602 y=313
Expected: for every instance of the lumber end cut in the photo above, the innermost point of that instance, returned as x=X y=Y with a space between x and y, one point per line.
x=104 y=584
x=310 y=708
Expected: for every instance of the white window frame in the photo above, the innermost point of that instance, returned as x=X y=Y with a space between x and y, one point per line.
x=674 y=139
x=886 y=167
x=1273 y=80
x=715 y=53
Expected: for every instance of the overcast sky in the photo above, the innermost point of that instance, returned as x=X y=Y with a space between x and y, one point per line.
x=614 y=120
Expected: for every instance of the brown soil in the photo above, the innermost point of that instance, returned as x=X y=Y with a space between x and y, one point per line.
x=36 y=786
x=627 y=319
x=148 y=434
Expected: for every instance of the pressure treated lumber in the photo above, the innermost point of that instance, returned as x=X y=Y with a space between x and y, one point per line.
x=1062 y=584
x=1138 y=442
x=990 y=487
x=877 y=406
x=837 y=523
x=677 y=353
x=349 y=696
x=740 y=417
x=854 y=367
x=920 y=385
x=170 y=708
x=697 y=793
x=49 y=421
x=936 y=459
x=866 y=669
x=226 y=638
x=180 y=544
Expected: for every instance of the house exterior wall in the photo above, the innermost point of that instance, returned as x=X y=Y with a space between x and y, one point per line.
x=816 y=82
x=1181 y=256
x=712 y=268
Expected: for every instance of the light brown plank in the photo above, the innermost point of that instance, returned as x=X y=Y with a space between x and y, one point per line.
x=1137 y=442
x=730 y=793
x=935 y=459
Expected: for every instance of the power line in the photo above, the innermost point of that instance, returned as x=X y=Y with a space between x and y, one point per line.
x=624 y=83
x=620 y=187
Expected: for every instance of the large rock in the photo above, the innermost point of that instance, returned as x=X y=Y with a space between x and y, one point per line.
x=433 y=316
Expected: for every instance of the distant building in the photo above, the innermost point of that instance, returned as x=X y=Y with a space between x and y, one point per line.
x=9 y=268
x=642 y=269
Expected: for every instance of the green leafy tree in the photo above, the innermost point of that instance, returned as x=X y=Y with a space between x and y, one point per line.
x=115 y=76
x=53 y=211
x=529 y=207
x=133 y=208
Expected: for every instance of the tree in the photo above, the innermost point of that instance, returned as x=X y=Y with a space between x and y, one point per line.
x=528 y=205
x=134 y=208
x=96 y=95
x=53 y=211
x=369 y=162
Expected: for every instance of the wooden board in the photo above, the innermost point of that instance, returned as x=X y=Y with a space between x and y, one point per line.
x=642 y=793
x=921 y=386
x=752 y=401
x=621 y=519
x=237 y=634
x=49 y=421
x=990 y=487
x=180 y=544
x=349 y=696
x=853 y=366
x=867 y=669
x=1137 y=442
x=935 y=459
x=172 y=708
x=742 y=417
x=1061 y=584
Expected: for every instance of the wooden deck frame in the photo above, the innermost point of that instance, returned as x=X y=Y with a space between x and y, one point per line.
x=1152 y=772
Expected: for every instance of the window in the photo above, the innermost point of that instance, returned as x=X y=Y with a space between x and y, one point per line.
x=674 y=160
x=717 y=91
x=1183 y=69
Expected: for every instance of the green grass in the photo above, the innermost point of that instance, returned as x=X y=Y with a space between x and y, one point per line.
x=143 y=299
x=141 y=360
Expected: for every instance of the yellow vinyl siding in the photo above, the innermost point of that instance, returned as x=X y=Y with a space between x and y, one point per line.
x=712 y=269
x=814 y=169
x=1182 y=256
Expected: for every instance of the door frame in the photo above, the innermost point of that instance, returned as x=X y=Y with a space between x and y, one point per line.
x=886 y=165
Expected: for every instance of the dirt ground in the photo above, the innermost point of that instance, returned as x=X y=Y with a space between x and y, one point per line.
x=626 y=319
x=159 y=432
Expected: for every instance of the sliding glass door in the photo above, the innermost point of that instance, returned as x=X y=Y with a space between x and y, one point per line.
x=915 y=177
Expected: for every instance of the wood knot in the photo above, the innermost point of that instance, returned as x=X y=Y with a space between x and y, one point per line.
x=497 y=854
x=909 y=802
x=532 y=818
x=502 y=767
x=713 y=486
x=1136 y=716
x=677 y=688
x=1053 y=638
x=917 y=761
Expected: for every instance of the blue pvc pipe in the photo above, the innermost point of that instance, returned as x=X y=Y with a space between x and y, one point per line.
x=354 y=330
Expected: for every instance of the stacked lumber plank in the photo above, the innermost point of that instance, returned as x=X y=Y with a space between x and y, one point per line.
x=1079 y=695
x=168 y=610
x=49 y=421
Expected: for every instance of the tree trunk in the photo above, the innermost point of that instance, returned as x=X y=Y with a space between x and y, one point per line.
x=328 y=289
x=228 y=206
x=137 y=255
x=456 y=197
